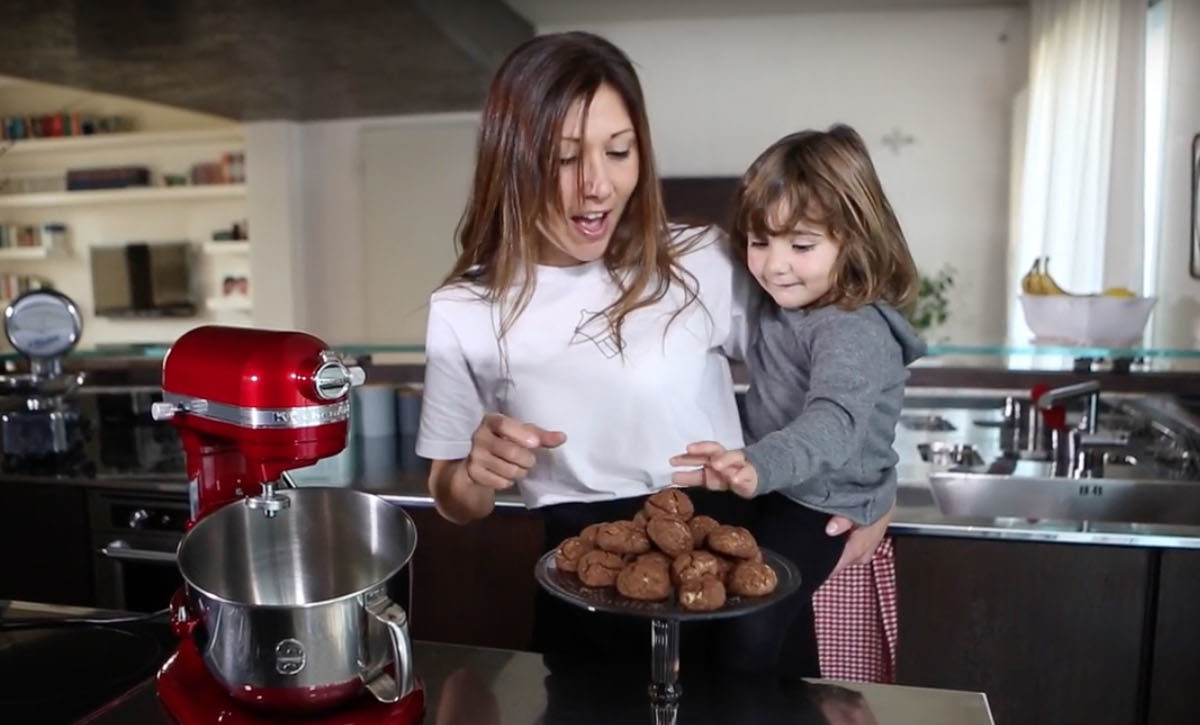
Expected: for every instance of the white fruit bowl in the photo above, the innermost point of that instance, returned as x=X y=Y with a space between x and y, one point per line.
x=1092 y=320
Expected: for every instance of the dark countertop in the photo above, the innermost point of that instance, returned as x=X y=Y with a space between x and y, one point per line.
x=388 y=466
x=474 y=686
x=1161 y=371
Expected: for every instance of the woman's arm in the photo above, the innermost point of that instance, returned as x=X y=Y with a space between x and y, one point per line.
x=455 y=496
x=501 y=453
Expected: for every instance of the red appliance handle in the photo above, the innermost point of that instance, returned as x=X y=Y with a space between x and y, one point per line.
x=1056 y=417
x=183 y=621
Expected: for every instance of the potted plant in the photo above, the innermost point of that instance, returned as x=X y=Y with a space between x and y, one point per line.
x=932 y=307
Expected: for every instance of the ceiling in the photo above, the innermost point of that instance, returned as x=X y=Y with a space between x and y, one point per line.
x=319 y=59
x=567 y=12
x=266 y=59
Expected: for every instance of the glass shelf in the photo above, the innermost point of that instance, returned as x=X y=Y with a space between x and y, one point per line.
x=1039 y=349
x=1027 y=356
x=156 y=351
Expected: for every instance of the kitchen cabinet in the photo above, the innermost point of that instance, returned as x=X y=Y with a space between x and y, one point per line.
x=1052 y=633
x=1175 y=672
x=474 y=584
x=45 y=553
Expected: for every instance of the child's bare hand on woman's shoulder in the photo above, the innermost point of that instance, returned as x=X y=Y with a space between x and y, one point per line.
x=719 y=469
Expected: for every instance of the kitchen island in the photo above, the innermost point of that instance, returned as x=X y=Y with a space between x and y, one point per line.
x=1054 y=620
x=479 y=686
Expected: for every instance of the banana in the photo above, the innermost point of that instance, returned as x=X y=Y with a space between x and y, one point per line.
x=1037 y=281
x=1031 y=283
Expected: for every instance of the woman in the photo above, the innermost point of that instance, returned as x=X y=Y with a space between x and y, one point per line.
x=578 y=342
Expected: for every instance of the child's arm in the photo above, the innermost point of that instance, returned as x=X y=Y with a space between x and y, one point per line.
x=852 y=360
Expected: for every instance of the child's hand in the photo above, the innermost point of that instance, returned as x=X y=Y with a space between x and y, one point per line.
x=720 y=469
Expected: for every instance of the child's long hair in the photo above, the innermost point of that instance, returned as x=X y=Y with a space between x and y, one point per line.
x=826 y=177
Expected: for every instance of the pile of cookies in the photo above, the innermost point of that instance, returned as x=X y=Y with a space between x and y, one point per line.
x=667 y=549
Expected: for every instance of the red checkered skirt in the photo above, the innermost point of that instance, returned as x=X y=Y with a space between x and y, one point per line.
x=857 y=627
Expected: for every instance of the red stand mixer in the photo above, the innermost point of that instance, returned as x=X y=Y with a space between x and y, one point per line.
x=289 y=604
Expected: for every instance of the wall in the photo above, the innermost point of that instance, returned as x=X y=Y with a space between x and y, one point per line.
x=381 y=198
x=720 y=90
x=409 y=219
x=1178 y=310
x=275 y=170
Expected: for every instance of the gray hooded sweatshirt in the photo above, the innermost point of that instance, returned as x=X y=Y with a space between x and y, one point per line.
x=825 y=394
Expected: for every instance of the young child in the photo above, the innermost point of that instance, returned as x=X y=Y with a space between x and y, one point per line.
x=827 y=355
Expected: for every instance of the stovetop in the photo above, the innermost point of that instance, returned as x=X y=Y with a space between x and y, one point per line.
x=58 y=675
x=118 y=439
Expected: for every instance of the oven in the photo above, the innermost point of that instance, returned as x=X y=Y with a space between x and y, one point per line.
x=134 y=535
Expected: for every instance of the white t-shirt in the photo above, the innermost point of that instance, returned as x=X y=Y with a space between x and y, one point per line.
x=624 y=416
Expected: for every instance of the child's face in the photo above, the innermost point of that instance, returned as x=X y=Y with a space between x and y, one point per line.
x=794 y=268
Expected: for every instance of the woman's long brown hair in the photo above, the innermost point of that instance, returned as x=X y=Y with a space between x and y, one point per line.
x=827 y=177
x=516 y=180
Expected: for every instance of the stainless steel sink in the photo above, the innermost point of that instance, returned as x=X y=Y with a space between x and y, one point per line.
x=992 y=495
x=1144 y=455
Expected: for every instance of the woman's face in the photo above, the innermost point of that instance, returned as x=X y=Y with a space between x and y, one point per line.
x=607 y=153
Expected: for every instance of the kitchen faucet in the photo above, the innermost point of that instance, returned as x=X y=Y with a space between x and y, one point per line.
x=1090 y=389
x=1071 y=454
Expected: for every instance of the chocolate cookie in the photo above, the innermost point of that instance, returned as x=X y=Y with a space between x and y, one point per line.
x=598 y=568
x=701 y=527
x=639 y=521
x=569 y=551
x=696 y=565
x=702 y=595
x=657 y=558
x=724 y=567
x=644 y=580
x=621 y=537
x=733 y=541
x=589 y=533
x=670 y=534
x=669 y=502
x=753 y=579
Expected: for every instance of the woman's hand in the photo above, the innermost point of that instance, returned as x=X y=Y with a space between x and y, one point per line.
x=862 y=542
x=502 y=450
x=501 y=454
x=720 y=469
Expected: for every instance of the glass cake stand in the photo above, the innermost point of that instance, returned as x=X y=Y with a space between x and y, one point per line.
x=665 y=616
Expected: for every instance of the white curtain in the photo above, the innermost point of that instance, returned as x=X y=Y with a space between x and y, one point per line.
x=1157 y=51
x=1062 y=198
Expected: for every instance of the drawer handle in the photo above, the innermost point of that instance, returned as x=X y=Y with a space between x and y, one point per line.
x=120 y=549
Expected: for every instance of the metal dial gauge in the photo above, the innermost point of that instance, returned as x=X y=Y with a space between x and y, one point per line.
x=42 y=324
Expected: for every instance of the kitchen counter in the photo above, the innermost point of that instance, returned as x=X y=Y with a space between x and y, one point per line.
x=388 y=466
x=475 y=686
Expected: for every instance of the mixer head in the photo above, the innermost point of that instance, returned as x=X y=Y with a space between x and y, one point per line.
x=251 y=404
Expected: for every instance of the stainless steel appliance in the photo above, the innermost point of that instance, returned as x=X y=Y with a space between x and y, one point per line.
x=297 y=602
x=289 y=597
x=40 y=425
